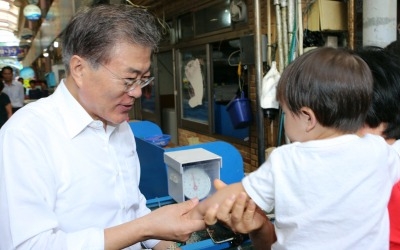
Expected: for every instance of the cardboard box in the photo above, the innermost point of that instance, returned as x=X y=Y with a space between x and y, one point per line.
x=327 y=15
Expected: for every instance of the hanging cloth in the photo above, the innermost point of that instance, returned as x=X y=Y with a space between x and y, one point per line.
x=269 y=83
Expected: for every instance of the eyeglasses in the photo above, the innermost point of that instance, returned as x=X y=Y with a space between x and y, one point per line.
x=131 y=83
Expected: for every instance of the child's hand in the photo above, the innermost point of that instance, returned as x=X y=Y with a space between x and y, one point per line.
x=239 y=213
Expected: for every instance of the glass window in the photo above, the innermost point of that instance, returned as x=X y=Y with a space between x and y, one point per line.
x=186 y=27
x=193 y=85
x=160 y=95
x=168 y=32
x=148 y=106
x=228 y=85
x=213 y=18
x=207 y=82
x=148 y=98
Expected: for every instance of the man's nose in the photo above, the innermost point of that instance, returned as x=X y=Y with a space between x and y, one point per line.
x=136 y=92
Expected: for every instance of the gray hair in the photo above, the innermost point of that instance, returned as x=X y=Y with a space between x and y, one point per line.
x=93 y=32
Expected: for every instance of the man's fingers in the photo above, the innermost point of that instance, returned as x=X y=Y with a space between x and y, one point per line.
x=250 y=211
x=218 y=184
x=210 y=218
x=239 y=207
x=224 y=211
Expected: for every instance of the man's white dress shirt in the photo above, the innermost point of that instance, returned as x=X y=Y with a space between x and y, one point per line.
x=64 y=179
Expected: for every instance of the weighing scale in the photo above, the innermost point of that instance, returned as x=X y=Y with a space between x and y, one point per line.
x=191 y=173
x=209 y=160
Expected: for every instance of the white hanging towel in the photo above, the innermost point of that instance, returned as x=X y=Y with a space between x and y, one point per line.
x=269 y=83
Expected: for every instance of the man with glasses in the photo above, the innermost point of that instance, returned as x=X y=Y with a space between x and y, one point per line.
x=79 y=189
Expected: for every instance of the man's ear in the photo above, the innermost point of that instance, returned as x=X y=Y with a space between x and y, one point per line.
x=77 y=68
x=309 y=117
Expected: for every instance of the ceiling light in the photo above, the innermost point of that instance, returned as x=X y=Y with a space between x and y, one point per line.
x=55 y=44
x=32 y=12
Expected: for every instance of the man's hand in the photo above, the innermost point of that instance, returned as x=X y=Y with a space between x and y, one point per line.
x=172 y=222
x=240 y=213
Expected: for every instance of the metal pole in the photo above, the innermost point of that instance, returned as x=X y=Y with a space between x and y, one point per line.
x=285 y=39
x=281 y=64
x=259 y=76
x=300 y=26
x=379 y=22
x=351 y=24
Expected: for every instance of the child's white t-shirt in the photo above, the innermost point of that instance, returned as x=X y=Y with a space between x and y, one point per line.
x=328 y=194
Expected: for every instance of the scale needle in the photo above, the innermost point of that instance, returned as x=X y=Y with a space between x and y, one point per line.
x=194 y=183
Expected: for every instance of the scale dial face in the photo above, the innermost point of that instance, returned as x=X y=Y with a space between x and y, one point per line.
x=196 y=183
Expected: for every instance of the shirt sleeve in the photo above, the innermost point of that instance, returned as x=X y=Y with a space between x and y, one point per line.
x=259 y=186
x=6 y=99
x=92 y=238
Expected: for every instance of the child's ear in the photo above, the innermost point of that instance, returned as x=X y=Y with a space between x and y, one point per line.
x=309 y=116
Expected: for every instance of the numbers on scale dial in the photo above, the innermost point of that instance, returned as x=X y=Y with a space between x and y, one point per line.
x=196 y=183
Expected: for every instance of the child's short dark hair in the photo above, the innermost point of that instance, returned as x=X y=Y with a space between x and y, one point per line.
x=335 y=83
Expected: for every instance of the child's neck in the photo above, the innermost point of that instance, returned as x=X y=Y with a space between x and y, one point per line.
x=320 y=133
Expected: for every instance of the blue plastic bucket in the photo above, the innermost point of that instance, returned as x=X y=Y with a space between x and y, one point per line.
x=240 y=112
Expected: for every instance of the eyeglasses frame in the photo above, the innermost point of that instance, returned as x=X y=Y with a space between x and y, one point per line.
x=132 y=84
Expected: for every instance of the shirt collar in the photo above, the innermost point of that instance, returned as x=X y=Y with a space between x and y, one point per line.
x=13 y=82
x=73 y=113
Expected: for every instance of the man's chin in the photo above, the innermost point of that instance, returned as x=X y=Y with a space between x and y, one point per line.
x=123 y=118
x=120 y=119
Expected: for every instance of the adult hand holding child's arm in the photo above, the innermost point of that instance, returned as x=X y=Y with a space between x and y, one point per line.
x=227 y=192
x=238 y=212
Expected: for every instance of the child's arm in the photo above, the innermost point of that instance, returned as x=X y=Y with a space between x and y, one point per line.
x=264 y=237
x=218 y=197
x=242 y=215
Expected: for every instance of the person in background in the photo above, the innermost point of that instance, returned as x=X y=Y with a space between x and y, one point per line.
x=42 y=84
x=383 y=118
x=80 y=189
x=319 y=183
x=38 y=89
x=394 y=47
x=33 y=92
x=394 y=202
x=14 y=89
x=5 y=106
x=32 y=83
x=21 y=80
